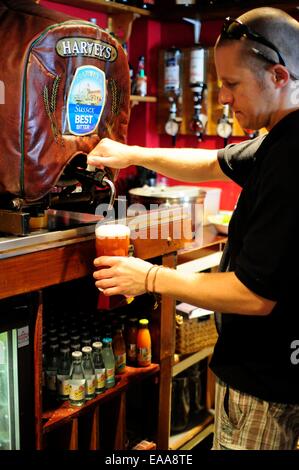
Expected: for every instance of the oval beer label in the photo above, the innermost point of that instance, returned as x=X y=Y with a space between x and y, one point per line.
x=86 y=100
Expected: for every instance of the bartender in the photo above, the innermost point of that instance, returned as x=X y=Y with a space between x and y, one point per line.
x=257 y=390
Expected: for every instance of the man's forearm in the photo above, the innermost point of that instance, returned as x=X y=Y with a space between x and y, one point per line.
x=221 y=292
x=191 y=165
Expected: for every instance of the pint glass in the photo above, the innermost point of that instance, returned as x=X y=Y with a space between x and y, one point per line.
x=112 y=240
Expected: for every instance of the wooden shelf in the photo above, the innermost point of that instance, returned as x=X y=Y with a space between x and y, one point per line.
x=63 y=413
x=136 y=99
x=120 y=17
x=143 y=99
x=103 y=6
x=219 y=10
x=186 y=440
x=190 y=360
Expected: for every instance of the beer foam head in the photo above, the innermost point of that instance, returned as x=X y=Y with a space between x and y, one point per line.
x=112 y=231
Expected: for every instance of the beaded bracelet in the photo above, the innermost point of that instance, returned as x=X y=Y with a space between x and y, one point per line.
x=146 y=278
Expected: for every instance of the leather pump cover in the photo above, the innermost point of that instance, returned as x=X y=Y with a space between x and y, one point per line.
x=66 y=85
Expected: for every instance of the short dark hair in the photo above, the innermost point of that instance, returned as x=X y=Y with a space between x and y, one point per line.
x=275 y=26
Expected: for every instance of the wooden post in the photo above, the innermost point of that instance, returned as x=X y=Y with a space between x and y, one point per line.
x=95 y=430
x=167 y=346
x=119 y=443
x=73 y=445
x=38 y=372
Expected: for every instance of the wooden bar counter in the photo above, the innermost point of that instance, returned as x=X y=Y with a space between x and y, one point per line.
x=31 y=265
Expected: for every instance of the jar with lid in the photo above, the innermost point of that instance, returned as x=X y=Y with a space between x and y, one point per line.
x=144 y=350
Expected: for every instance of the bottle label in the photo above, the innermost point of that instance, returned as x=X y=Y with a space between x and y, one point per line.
x=132 y=352
x=100 y=379
x=197 y=66
x=144 y=356
x=110 y=377
x=141 y=86
x=63 y=386
x=90 y=385
x=77 y=389
x=172 y=76
x=120 y=363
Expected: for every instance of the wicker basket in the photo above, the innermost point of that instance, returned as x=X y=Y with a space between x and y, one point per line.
x=193 y=335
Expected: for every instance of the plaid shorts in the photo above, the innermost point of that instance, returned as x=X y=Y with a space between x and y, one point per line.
x=244 y=422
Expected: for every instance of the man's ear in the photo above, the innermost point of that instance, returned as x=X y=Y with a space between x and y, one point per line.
x=280 y=75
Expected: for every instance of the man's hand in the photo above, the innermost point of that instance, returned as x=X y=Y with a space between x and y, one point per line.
x=121 y=275
x=111 y=154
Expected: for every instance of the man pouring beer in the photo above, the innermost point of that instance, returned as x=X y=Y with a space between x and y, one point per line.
x=257 y=391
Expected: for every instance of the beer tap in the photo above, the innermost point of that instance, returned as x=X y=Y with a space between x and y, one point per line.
x=173 y=90
x=103 y=178
x=90 y=179
x=225 y=124
x=197 y=80
x=107 y=181
x=172 y=125
x=199 y=119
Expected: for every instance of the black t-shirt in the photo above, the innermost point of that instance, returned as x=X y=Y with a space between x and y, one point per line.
x=254 y=353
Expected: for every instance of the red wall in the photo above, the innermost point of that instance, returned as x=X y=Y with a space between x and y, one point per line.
x=148 y=36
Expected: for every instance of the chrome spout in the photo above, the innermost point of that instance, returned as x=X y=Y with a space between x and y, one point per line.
x=108 y=182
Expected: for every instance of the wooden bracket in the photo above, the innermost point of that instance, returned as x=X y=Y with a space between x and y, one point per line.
x=120 y=24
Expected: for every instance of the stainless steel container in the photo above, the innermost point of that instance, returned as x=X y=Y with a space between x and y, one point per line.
x=191 y=198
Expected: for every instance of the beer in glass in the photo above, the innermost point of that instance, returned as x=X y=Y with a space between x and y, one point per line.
x=112 y=240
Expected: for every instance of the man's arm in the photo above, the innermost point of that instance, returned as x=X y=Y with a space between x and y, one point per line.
x=222 y=292
x=186 y=164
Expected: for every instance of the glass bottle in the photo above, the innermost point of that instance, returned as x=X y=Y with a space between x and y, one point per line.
x=146 y=4
x=141 y=84
x=125 y=2
x=99 y=367
x=144 y=351
x=89 y=372
x=119 y=350
x=63 y=374
x=75 y=347
x=77 y=380
x=44 y=363
x=172 y=72
x=109 y=362
x=86 y=341
x=62 y=335
x=132 y=341
x=51 y=368
x=131 y=69
x=141 y=78
x=75 y=339
x=66 y=343
x=186 y=3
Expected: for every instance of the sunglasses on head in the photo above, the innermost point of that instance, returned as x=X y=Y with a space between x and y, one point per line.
x=235 y=29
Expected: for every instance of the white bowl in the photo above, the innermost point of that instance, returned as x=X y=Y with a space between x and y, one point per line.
x=221 y=221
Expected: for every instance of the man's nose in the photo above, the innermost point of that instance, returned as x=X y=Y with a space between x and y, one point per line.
x=225 y=97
